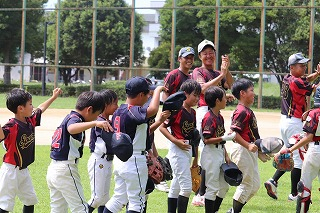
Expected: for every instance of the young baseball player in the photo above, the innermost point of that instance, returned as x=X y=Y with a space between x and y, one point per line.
x=132 y=118
x=207 y=77
x=295 y=88
x=173 y=82
x=214 y=153
x=311 y=166
x=176 y=77
x=100 y=161
x=244 y=153
x=63 y=178
x=151 y=148
x=182 y=125
x=19 y=141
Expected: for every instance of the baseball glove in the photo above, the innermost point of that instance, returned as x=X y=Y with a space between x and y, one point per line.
x=196 y=178
x=167 y=171
x=283 y=161
x=155 y=170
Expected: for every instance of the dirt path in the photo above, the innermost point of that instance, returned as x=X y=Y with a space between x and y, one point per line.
x=268 y=123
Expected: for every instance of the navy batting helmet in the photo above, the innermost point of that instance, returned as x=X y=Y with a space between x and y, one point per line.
x=121 y=144
x=232 y=174
x=174 y=101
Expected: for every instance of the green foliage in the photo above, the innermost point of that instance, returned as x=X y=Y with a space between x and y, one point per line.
x=70 y=91
x=240 y=32
x=10 y=31
x=112 y=35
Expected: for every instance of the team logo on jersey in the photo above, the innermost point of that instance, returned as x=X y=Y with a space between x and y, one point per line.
x=187 y=127
x=26 y=141
x=101 y=166
x=220 y=131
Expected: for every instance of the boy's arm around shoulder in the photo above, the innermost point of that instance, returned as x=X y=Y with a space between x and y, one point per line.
x=83 y=126
x=55 y=93
x=164 y=115
x=155 y=102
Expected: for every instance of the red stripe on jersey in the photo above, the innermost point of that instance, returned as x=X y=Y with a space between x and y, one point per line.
x=202 y=75
x=212 y=125
x=293 y=96
x=174 y=80
x=183 y=123
x=244 y=122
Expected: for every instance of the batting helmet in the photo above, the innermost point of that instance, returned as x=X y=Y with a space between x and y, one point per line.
x=269 y=145
x=121 y=144
x=232 y=174
x=174 y=101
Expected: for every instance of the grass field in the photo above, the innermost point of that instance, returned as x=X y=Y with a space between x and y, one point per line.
x=157 y=202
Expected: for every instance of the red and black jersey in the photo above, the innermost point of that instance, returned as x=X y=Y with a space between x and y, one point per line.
x=244 y=122
x=19 y=140
x=212 y=125
x=182 y=124
x=203 y=75
x=174 y=80
x=312 y=124
x=293 y=96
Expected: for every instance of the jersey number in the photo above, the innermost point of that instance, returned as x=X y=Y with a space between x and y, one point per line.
x=56 y=138
x=116 y=124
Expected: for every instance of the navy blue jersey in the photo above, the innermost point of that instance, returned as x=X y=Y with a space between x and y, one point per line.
x=182 y=123
x=133 y=121
x=151 y=120
x=19 y=140
x=65 y=146
x=96 y=144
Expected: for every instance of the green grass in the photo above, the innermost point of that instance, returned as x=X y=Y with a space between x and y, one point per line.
x=157 y=202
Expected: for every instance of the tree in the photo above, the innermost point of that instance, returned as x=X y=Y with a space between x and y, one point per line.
x=10 y=31
x=112 y=38
x=287 y=32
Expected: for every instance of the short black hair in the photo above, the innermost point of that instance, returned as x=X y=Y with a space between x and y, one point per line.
x=240 y=84
x=190 y=86
x=109 y=96
x=212 y=94
x=90 y=98
x=17 y=97
x=129 y=95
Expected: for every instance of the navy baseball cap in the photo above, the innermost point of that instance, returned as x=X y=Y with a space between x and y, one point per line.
x=205 y=43
x=185 y=51
x=297 y=58
x=137 y=84
x=174 y=101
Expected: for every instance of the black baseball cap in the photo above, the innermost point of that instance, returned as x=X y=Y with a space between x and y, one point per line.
x=138 y=84
x=174 y=101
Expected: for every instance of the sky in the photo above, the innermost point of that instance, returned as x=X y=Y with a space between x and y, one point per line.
x=139 y=3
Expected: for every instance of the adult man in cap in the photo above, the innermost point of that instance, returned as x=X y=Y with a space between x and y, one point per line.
x=295 y=88
x=208 y=77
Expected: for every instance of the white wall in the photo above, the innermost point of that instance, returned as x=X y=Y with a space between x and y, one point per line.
x=16 y=70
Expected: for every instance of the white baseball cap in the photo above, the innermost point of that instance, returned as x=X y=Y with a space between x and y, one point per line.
x=297 y=58
x=205 y=43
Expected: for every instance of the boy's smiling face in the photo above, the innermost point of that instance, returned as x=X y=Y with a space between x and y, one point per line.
x=247 y=96
x=192 y=99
